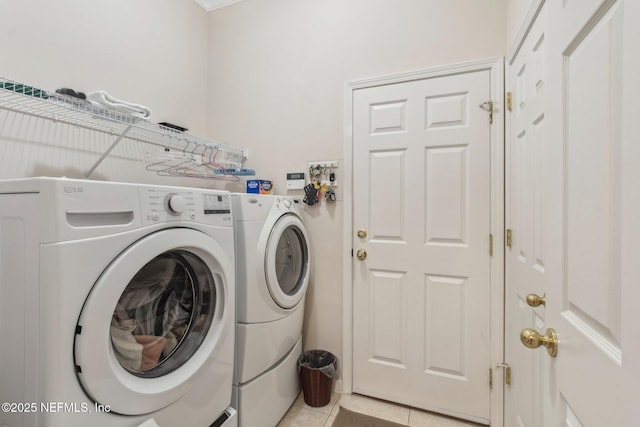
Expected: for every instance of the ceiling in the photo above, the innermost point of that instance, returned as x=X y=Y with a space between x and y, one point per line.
x=210 y=5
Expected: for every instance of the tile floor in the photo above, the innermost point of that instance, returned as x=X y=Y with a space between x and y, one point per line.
x=302 y=415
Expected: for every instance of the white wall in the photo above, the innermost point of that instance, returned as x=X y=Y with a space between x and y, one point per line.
x=273 y=82
x=277 y=74
x=149 y=52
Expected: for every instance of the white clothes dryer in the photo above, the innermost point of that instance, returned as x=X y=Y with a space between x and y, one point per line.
x=272 y=276
x=116 y=304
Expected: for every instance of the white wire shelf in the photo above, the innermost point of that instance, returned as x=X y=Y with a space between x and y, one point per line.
x=205 y=159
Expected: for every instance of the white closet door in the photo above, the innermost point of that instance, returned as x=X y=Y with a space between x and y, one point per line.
x=589 y=212
x=581 y=185
x=525 y=258
x=422 y=194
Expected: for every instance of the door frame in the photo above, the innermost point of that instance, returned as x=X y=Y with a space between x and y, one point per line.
x=495 y=66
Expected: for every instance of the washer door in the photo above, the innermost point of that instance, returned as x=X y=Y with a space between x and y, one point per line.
x=152 y=320
x=286 y=261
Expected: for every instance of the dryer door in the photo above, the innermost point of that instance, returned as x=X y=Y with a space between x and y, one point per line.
x=286 y=261
x=153 y=320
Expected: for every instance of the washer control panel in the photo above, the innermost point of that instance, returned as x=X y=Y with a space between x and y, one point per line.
x=175 y=204
x=216 y=204
x=205 y=206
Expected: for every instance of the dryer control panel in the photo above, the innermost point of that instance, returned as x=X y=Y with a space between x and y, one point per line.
x=163 y=204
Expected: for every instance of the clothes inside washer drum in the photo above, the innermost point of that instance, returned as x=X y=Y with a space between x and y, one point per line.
x=152 y=348
x=128 y=350
x=155 y=309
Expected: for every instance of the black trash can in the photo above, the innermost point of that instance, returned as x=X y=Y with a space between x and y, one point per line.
x=317 y=369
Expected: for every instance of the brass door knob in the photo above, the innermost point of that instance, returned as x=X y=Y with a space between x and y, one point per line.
x=534 y=300
x=532 y=339
x=361 y=254
x=362 y=233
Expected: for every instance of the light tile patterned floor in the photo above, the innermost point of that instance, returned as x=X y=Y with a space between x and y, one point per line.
x=302 y=415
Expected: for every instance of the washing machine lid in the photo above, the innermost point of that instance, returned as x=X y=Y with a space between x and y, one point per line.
x=286 y=261
x=153 y=320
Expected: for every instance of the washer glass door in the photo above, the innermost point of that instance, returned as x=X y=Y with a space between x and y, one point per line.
x=153 y=321
x=287 y=261
x=163 y=314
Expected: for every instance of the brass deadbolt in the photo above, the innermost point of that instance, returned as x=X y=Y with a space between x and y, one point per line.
x=534 y=300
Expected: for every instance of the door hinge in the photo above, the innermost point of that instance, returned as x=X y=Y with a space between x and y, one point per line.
x=489 y=107
x=509 y=238
x=490 y=244
x=507 y=372
x=490 y=379
x=509 y=101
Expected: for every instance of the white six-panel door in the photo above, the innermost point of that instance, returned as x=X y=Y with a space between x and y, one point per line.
x=422 y=195
x=586 y=189
x=573 y=205
x=525 y=258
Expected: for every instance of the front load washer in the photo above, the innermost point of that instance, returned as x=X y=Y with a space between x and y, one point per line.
x=117 y=304
x=272 y=275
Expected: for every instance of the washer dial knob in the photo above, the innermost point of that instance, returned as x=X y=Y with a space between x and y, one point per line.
x=175 y=204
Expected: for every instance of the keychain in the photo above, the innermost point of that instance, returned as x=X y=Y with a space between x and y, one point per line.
x=330 y=194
